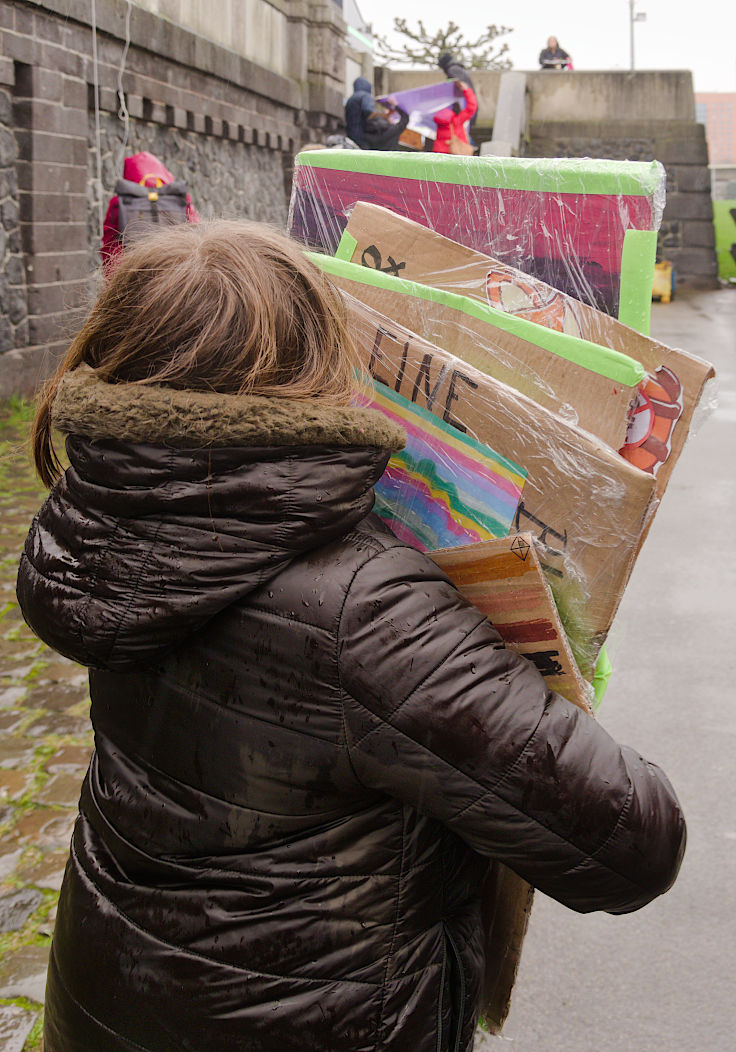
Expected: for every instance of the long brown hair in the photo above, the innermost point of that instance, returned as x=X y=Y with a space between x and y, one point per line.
x=227 y=306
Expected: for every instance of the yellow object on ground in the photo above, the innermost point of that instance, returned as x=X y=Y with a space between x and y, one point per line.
x=662 y=288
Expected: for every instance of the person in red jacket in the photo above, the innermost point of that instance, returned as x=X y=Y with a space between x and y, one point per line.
x=452 y=120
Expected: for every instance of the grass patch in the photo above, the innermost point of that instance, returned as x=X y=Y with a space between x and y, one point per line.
x=34 y=1041
x=16 y=413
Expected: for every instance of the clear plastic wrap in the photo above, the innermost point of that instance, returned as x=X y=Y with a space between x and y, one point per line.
x=586 y=384
x=587 y=507
x=573 y=223
x=664 y=407
x=526 y=408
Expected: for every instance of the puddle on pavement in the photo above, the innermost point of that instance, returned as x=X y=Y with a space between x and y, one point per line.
x=55 y=697
x=16 y=649
x=9 y=859
x=45 y=828
x=58 y=723
x=10 y=696
x=9 y=720
x=47 y=873
x=16 y=752
x=69 y=758
x=14 y=784
x=18 y=673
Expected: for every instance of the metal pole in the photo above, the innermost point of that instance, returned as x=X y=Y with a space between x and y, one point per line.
x=631 y=31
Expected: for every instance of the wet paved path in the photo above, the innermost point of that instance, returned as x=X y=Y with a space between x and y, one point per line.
x=661 y=980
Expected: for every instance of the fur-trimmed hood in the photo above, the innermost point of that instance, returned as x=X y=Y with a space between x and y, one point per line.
x=178 y=503
x=89 y=407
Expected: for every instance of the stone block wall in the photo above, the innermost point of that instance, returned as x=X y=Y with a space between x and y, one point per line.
x=226 y=177
x=13 y=296
x=225 y=124
x=254 y=28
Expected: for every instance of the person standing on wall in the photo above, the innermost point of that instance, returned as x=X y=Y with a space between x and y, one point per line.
x=554 y=57
x=383 y=133
x=454 y=70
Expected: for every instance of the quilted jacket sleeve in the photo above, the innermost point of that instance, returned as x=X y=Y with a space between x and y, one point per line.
x=441 y=716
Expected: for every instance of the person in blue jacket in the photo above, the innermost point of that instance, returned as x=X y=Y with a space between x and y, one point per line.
x=358 y=109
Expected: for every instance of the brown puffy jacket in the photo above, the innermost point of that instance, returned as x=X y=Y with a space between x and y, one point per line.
x=308 y=745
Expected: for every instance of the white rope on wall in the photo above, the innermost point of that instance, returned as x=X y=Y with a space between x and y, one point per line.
x=123 y=114
x=96 y=85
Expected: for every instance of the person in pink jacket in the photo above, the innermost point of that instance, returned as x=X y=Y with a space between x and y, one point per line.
x=452 y=120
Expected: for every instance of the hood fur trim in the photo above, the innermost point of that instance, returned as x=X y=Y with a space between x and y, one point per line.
x=148 y=413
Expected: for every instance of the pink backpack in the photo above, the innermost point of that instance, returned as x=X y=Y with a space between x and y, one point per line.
x=147 y=195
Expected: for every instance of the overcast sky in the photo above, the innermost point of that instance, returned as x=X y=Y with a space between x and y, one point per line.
x=699 y=35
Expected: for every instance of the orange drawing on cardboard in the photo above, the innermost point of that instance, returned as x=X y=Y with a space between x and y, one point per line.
x=657 y=409
x=543 y=305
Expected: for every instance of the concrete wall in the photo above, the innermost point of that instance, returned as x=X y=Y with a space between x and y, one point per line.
x=254 y=28
x=637 y=116
x=573 y=96
x=723 y=182
x=227 y=124
x=630 y=95
x=486 y=86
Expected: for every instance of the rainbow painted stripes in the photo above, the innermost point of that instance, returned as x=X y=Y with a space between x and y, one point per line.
x=445 y=488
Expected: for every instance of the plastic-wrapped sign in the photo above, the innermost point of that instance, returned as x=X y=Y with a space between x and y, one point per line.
x=588 y=385
x=384 y=241
x=587 y=507
x=565 y=221
x=421 y=103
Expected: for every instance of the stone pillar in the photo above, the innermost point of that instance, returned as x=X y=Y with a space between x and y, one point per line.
x=50 y=116
x=325 y=66
x=13 y=299
x=316 y=44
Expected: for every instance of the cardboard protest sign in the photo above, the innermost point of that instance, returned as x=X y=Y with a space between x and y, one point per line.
x=566 y=221
x=589 y=385
x=443 y=488
x=506 y=902
x=586 y=506
x=504 y=580
x=382 y=240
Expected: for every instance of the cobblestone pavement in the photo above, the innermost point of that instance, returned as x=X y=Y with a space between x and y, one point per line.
x=45 y=741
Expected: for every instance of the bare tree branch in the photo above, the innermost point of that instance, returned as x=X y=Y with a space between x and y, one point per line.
x=423 y=48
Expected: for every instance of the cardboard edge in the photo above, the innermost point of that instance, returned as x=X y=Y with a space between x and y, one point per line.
x=346 y=247
x=650 y=352
x=501 y=544
x=506 y=905
x=613 y=365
